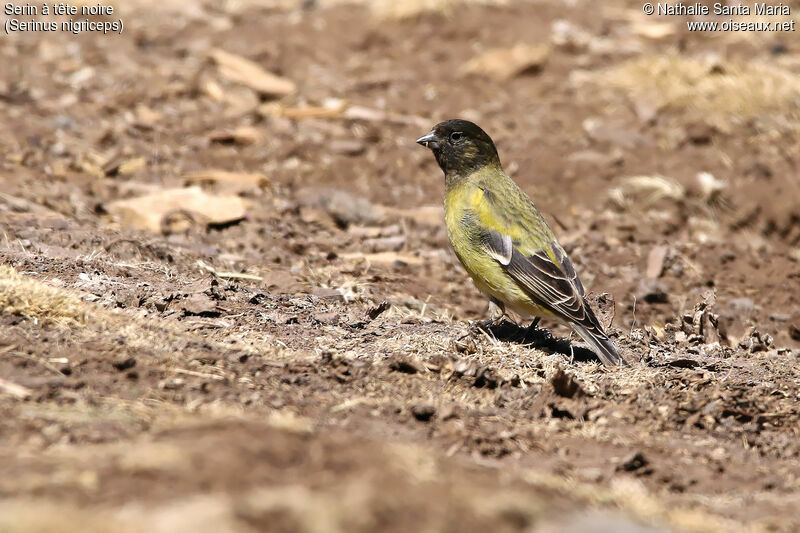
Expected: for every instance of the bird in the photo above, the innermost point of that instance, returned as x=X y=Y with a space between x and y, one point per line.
x=504 y=242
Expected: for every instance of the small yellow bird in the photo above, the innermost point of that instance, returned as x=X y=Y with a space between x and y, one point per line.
x=503 y=241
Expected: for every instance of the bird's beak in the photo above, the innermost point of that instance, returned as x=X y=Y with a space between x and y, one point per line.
x=428 y=141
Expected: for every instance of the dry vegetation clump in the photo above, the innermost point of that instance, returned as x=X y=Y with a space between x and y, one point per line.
x=34 y=300
x=406 y=9
x=711 y=86
x=32 y=517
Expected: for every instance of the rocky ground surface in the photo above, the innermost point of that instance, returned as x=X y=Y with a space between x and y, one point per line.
x=227 y=300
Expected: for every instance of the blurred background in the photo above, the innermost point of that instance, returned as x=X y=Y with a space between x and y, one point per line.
x=271 y=144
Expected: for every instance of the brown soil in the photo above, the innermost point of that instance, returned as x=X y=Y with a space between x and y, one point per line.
x=311 y=367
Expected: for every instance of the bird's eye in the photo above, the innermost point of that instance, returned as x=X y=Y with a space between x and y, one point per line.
x=456 y=136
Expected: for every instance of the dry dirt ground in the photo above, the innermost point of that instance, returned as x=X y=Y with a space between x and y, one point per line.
x=287 y=346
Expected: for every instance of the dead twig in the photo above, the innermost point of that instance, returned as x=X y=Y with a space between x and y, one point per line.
x=18 y=391
x=228 y=275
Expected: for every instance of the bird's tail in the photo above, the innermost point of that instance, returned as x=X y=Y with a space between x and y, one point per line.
x=601 y=345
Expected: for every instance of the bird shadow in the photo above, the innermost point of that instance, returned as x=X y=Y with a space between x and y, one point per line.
x=539 y=338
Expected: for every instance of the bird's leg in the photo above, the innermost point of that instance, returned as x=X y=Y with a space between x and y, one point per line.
x=534 y=325
x=497 y=309
x=496 y=313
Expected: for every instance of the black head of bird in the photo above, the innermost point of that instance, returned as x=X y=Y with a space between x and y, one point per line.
x=460 y=147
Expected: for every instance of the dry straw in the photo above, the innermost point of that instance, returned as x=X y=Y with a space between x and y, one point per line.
x=32 y=299
x=712 y=86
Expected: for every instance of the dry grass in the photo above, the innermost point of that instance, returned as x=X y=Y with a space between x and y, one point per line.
x=406 y=9
x=383 y=9
x=49 y=305
x=45 y=517
x=645 y=191
x=725 y=88
x=37 y=301
x=634 y=498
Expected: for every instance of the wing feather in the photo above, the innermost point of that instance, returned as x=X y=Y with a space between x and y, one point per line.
x=552 y=284
x=499 y=247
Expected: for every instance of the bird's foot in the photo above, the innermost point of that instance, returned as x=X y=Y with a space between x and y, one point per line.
x=484 y=325
x=534 y=334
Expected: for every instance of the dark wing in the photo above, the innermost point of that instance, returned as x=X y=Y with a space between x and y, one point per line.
x=553 y=285
x=499 y=247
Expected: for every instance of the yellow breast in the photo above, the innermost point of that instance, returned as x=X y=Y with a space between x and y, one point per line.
x=464 y=216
